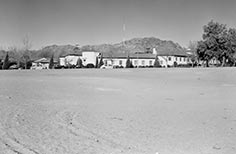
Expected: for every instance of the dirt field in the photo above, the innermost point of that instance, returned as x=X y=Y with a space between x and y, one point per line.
x=137 y=111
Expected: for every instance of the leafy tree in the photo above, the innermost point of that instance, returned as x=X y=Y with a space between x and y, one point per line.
x=231 y=46
x=175 y=64
x=101 y=61
x=6 y=62
x=96 y=63
x=128 y=62
x=156 y=62
x=215 y=36
x=131 y=64
x=217 y=43
x=51 y=62
x=79 y=63
x=204 y=53
x=1 y=63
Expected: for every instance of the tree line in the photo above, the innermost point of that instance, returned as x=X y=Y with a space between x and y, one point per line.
x=18 y=57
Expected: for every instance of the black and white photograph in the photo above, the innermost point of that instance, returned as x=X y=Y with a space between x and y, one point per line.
x=117 y=76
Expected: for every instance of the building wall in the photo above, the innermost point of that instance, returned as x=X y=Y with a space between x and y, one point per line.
x=169 y=60
x=71 y=60
x=68 y=60
x=62 y=61
x=164 y=61
x=114 y=62
x=39 y=66
x=143 y=62
x=122 y=62
x=89 y=57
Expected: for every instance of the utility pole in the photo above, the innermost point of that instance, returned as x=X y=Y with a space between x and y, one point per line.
x=124 y=31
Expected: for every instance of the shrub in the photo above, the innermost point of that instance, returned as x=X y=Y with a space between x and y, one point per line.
x=185 y=65
x=51 y=63
x=100 y=62
x=156 y=62
x=116 y=66
x=57 y=66
x=128 y=63
x=6 y=62
x=79 y=63
x=175 y=64
x=13 y=64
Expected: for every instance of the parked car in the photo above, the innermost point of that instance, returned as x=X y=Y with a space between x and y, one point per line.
x=106 y=67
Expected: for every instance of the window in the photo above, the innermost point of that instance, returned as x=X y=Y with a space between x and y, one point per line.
x=105 y=62
x=161 y=62
x=143 y=62
x=150 y=62
x=120 y=62
x=180 y=59
x=176 y=59
x=136 y=62
x=169 y=58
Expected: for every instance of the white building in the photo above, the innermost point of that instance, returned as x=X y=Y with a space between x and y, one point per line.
x=166 y=58
x=136 y=59
x=170 y=60
x=40 y=64
x=87 y=57
x=69 y=59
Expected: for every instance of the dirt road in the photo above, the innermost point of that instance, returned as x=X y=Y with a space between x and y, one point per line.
x=136 y=111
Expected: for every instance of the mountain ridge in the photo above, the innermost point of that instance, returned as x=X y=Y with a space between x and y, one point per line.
x=128 y=46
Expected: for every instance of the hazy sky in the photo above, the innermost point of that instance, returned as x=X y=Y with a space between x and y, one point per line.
x=83 y=22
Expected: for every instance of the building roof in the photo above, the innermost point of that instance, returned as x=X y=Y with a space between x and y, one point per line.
x=71 y=54
x=88 y=51
x=124 y=55
x=171 y=53
x=144 y=55
x=43 y=60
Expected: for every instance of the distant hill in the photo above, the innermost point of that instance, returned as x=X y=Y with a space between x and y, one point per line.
x=136 y=45
x=57 y=50
x=129 y=46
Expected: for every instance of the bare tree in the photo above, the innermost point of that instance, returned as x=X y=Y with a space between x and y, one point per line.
x=192 y=45
x=193 y=49
x=14 y=52
x=27 y=44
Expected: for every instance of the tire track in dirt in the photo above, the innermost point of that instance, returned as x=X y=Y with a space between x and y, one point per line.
x=101 y=141
x=11 y=135
x=14 y=145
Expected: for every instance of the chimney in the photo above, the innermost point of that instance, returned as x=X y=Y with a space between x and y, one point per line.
x=154 y=51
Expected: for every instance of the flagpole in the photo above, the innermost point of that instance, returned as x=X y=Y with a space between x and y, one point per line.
x=124 y=30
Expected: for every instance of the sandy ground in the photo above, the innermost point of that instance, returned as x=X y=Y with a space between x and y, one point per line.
x=137 y=111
